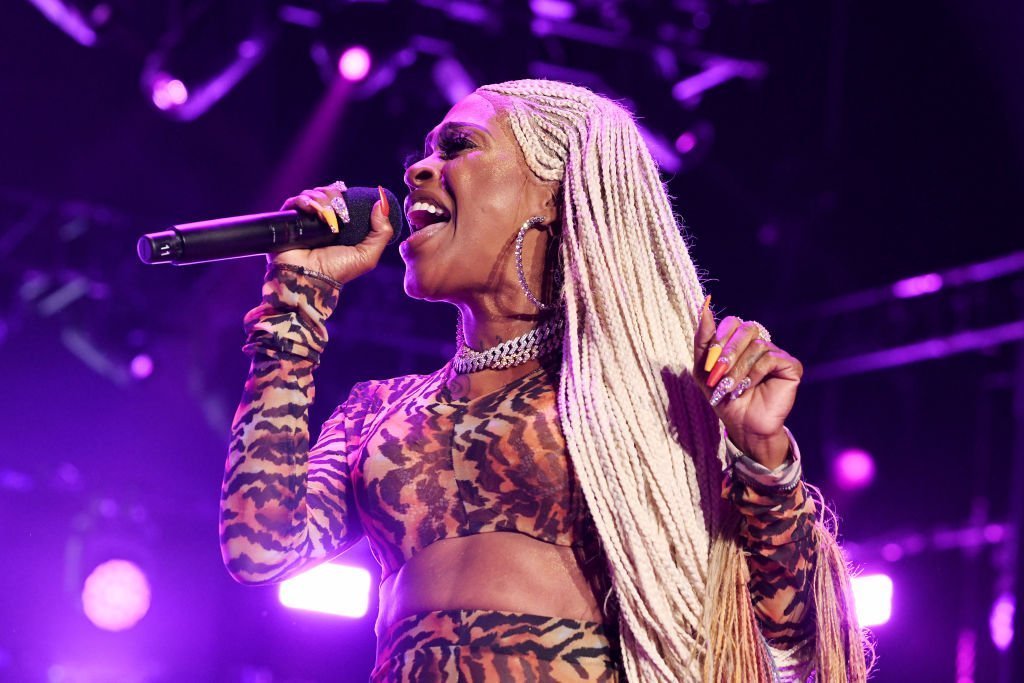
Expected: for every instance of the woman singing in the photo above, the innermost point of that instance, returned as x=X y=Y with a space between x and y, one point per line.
x=599 y=486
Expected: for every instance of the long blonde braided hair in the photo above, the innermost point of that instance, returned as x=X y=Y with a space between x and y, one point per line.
x=646 y=446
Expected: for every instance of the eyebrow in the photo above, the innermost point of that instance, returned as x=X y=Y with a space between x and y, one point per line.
x=445 y=127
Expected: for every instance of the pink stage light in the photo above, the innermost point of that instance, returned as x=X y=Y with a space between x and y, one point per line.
x=116 y=595
x=966 y=656
x=336 y=589
x=1000 y=621
x=559 y=10
x=917 y=286
x=354 y=63
x=686 y=142
x=168 y=92
x=853 y=469
x=141 y=366
x=872 y=595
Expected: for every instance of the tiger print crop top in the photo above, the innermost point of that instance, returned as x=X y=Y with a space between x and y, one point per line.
x=429 y=466
x=406 y=464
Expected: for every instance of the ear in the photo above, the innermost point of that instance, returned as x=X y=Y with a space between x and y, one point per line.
x=552 y=202
x=542 y=198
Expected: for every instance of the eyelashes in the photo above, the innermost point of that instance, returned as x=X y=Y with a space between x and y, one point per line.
x=449 y=144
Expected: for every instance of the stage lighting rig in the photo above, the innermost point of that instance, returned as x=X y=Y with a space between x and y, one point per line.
x=203 y=55
x=83 y=21
x=56 y=271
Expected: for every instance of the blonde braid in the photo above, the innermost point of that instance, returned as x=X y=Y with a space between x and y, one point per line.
x=647 y=448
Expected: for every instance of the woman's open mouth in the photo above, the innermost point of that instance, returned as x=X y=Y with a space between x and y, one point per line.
x=425 y=213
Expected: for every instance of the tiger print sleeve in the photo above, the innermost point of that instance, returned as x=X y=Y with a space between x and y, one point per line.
x=284 y=506
x=777 y=532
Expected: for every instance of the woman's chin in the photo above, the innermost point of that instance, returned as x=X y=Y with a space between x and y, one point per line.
x=416 y=286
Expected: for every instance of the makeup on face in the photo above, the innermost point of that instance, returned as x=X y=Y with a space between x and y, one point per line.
x=468 y=196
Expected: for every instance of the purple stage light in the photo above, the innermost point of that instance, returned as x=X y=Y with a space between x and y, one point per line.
x=994 y=533
x=71 y=20
x=336 y=589
x=559 y=10
x=142 y=366
x=892 y=552
x=872 y=595
x=686 y=142
x=917 y=286
x=168 y=92
x=300 y=16
x=853 y=469
x=966 y=656
x=1000 y=621
x=354 y=63
x=116 y=595
x=453 y=79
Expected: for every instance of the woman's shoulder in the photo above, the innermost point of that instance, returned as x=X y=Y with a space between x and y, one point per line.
x=374 y=393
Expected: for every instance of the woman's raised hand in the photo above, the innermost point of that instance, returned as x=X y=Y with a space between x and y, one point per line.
x=750 y=382
x=339 y=263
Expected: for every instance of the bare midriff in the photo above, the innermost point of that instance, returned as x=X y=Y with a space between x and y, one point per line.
x=500 y=571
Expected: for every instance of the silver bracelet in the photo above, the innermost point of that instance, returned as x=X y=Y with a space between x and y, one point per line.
x=316 y=275
x=783 y=479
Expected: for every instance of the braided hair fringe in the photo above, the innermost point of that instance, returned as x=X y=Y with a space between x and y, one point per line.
x=647 y=448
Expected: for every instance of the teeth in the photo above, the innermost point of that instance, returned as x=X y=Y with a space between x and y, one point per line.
x=428 y=206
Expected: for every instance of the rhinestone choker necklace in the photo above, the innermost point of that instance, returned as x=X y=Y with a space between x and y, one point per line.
x=538 y=342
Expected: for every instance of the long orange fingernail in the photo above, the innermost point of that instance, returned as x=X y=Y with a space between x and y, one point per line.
x=384 y=206
x=713 y=353
x=720 y=367
x=704 y=308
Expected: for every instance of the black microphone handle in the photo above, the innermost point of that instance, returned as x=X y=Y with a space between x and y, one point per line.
x=262 y=233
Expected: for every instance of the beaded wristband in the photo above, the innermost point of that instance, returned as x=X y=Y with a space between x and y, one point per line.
x=305 y=271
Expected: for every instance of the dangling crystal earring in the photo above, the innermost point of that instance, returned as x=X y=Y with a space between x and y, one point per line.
x=530 y=222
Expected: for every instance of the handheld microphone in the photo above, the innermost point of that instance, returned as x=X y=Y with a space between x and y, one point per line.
x=264 y=233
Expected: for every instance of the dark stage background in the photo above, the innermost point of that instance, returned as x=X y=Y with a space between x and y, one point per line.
x=839 y=165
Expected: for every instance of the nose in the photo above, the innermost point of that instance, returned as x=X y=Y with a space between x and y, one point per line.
x=420 y=173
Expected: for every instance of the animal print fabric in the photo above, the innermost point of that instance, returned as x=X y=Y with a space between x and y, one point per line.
x=284 y=506
x=475 y=646
x=777 y=534
x=406 y=464
x=431 y=466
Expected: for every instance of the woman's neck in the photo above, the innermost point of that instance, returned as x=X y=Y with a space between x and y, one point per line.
x=483 y=330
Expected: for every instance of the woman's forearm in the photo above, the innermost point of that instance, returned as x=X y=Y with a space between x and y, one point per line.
x=284 y=505
x=777 y=533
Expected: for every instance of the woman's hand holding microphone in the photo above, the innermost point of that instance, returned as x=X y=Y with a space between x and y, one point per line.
x=339 y=263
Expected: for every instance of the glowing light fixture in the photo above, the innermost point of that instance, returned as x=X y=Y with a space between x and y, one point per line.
x=336 y=589
x=1000 y=621
x=116 y=595
x=354 y=63
x=141 y=366
x=872 y=595
x=686 y=142
x=191 y=91
x=853 y=469
x=80 y=23
x=559 y=10
x=917 y=286
x=168 y=92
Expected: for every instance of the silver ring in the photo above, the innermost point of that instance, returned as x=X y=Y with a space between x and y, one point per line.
x=339 y=185
x=762 y=332
x=340 y=208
